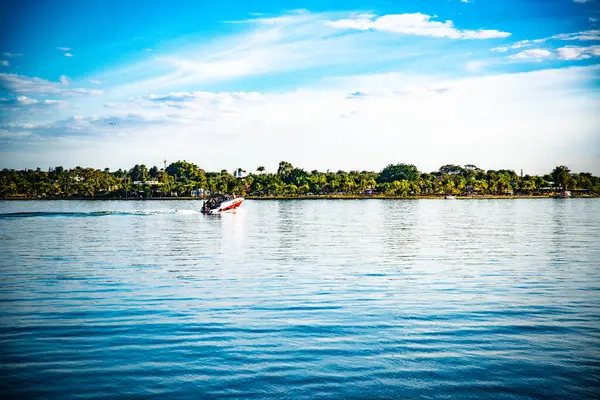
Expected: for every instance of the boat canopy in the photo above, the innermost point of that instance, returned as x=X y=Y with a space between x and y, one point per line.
x=215 y=200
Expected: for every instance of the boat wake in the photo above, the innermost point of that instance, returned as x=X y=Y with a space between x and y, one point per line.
x=54 y=214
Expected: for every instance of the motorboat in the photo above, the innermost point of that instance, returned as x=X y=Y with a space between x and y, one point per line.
x=217 y=203
x=565 y=194
x=449 y=197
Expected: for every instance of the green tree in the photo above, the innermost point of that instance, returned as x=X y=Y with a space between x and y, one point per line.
x=284 y=169
x=561 y=176
x=398 y=172
x=139 y=173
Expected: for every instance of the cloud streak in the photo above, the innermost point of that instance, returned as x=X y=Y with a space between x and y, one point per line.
x=589 y=35
x=19 y=84
x=24 y=101
x=416 y=24
x=578 y=52
x=531 y=55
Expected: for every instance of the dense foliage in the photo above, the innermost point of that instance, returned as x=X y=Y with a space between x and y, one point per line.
x=182 y=178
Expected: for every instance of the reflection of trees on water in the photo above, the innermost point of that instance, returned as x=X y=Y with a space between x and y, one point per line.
x=401 y=235
x=292 y=228
x=557 y=229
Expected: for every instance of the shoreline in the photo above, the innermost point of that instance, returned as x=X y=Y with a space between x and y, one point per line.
x=324 y=197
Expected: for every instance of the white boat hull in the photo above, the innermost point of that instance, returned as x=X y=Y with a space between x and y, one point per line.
x=226 y=206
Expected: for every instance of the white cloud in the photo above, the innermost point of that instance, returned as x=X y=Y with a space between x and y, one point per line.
x=477 y=120
x=414 y=24
x=517 y=45
x=5 y=54
x=63 y=48
x=57 y=102
x=20 y=103
x=465 y=1
x=26 y=100
x=4 y=63
x=580 y=1
x=588 y=35
x=531 y=55
x=361 y=22
x=68 y=55
x=95 y=82
x=593 y=34
x=19 y=84
x=64 y=80
x=578 y=52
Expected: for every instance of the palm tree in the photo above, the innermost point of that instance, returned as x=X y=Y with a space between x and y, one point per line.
x=260 y=169
x=285 y=168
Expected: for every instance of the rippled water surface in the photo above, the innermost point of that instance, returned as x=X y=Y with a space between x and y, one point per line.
x=300 y=299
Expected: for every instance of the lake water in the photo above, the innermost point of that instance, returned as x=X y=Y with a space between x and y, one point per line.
x=344 y=299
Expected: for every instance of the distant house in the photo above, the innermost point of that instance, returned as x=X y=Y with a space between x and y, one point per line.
x=147 y=183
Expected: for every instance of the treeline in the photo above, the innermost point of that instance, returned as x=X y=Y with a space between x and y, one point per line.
x=182 y=179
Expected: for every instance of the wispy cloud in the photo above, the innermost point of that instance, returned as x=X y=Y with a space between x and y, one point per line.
x=6 y=134
x=63 y=48
x=28 y=101
x=578 y=52
x=68 y=55
x=589 y=35
x=566 y=53
x=415 y=24
x=5 y=54
x=517 y=45
x=19 y=84
x=299 y=41
x=584 y=35
x=4 y=63
x=64 y=80
x=531 y=55
x=95 y=82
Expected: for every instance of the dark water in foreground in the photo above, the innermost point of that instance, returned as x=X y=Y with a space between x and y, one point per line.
x=300 y=300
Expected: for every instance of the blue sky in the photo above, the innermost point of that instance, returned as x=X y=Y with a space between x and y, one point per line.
x=511 y=84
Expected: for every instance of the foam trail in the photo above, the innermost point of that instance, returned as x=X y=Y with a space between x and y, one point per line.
x=187 y=212
x=54 y=214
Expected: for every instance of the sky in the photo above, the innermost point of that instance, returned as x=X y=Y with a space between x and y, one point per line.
x=348 y=85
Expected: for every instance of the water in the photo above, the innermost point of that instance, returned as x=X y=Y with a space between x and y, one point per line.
x=341 y=299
